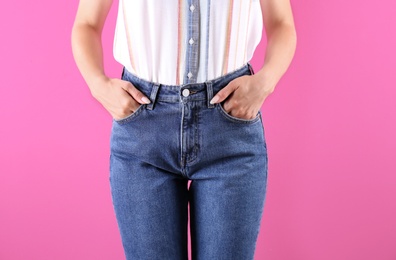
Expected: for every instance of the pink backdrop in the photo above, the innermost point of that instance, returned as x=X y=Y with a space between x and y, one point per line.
x=330 y=128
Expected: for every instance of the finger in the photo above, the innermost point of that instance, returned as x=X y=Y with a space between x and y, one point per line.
x=133 y=105
x=136 y=94
x=224 y=93
x=128 y=105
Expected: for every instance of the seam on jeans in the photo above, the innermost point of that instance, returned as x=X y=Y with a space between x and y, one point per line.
x=168 y=99
x=235 y=119
x=131 y=116
x=262 y=127
x=193 y=155
x=181 y=140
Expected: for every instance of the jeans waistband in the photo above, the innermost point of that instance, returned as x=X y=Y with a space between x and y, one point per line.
x=184 y=92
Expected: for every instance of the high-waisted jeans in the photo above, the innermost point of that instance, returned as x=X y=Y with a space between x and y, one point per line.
x=181 y=137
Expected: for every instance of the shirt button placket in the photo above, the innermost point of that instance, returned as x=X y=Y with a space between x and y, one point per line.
x=193 y=46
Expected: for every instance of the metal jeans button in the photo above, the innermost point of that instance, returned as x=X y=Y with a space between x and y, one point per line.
x=185 y=92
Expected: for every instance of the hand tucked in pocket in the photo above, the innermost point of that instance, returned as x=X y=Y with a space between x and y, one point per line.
x=244 y=96
x=119 y=97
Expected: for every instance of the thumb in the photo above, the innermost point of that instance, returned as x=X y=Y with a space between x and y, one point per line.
x=136 y=94
x=224 y=93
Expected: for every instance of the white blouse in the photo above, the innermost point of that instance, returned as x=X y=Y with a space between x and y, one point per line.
x=186 y=41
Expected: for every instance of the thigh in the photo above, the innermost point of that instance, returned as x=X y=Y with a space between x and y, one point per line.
x=151 y=209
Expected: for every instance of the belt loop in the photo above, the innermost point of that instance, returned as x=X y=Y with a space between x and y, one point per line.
x=250 y=68
x=209 y=91
x=153 y=96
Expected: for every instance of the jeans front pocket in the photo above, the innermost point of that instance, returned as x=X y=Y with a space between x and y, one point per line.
x=131 y=116
x=236 y=119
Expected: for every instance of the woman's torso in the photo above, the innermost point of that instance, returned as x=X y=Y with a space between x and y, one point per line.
x=178 y=41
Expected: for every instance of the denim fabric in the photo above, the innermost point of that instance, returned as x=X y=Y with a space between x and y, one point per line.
x=179 y=137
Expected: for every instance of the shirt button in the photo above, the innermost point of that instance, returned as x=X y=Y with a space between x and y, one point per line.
x=191 y=41
x=186 y=92
x=192 y=8
x=189 y=75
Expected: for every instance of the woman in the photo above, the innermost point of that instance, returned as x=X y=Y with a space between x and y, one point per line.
x=187 y=128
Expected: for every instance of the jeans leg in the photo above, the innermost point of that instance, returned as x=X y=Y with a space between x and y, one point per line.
x=226 y=214
x=151 y=209
x=228 y=187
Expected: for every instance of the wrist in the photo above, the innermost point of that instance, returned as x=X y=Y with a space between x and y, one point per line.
x=267 y=78
x=97 y=84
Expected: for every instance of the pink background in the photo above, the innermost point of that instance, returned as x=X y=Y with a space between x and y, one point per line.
x=330 y=128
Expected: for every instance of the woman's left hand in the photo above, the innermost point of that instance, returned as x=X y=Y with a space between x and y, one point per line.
x=244 y=95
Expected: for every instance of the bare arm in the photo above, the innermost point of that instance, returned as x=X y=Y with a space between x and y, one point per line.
x=281 y=38
x=120 y=98
x=245 y=95
x=87 y=38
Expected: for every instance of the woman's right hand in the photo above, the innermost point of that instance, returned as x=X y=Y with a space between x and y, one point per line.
x=119 y=97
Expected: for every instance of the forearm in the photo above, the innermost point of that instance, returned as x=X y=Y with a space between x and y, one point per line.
x=88 y=54
x=281 y=45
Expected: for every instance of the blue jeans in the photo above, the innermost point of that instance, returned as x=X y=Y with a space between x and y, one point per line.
x=181 y=137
